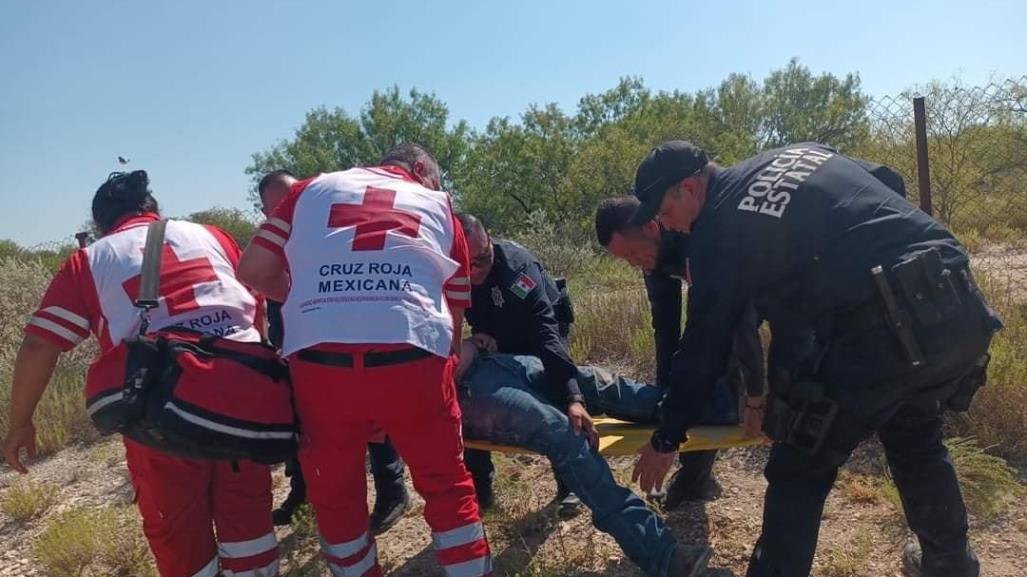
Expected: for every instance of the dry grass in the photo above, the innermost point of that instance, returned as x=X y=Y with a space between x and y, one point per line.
x=847 y=561
x=107 y=454
x=61 y=417
x=299 y=550
x=988 y=483
x=861 y=489
x=998 y=416
x=94 y=542
x=25 y=499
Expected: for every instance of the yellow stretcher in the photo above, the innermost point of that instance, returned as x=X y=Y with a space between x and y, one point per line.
x=617 y=438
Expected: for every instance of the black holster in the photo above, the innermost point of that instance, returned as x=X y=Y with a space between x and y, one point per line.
x=968 y=386
x=801 y=416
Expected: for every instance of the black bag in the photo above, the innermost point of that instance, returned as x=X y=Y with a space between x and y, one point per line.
x=191 y=394
x=928 y=287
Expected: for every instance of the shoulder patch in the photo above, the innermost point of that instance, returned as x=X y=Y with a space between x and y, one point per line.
x=522 y=285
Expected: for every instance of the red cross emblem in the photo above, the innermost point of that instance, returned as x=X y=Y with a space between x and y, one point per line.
x=178 y=279
x=374 y=219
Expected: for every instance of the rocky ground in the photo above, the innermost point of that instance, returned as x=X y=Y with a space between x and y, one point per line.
x=862 y=534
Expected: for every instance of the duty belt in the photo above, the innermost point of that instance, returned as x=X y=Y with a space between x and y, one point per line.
x=893 y=308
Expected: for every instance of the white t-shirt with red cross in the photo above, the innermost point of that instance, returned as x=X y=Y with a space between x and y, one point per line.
x=94 y=290
x=373 y=257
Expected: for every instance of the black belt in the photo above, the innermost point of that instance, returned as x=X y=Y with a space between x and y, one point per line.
x=871 y=314
x=371 y=359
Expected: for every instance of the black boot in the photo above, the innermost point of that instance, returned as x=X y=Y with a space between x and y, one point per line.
x=570 y=504
x=694 y=480
x=388 y=510
x=297 y=495
x=283 y=514
x=486 y=497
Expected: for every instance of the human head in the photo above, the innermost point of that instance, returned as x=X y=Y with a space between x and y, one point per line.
x=124 y=194
x=671 y=183
x=479 y=247
x=639 y=244
x=417 y=161
x=273 y=187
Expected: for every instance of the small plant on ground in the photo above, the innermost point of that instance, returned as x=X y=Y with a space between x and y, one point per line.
x=92 y=542
x=25 y=500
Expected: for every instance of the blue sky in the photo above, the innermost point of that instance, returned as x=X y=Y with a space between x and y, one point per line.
x=189 y=90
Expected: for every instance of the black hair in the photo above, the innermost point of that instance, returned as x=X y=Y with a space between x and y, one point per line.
x=470 y=223
x=268 y=178
x=406 y=154
x=614 y=216
x=124 y=193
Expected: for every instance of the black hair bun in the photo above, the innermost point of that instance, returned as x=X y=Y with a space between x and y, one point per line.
x=130 y=187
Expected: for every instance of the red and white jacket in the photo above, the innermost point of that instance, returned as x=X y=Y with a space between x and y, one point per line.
x=95 y=289
x=373 y=257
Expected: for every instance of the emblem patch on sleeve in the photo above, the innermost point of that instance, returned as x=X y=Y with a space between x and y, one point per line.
x=522 y=286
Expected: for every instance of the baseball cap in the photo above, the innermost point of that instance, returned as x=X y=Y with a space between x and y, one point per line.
x=664 y=166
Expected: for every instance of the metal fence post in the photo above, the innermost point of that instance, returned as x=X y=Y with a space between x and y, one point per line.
x=922 y=165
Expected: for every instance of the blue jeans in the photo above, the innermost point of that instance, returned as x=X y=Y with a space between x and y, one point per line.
x=617 y=396
x=500 y=406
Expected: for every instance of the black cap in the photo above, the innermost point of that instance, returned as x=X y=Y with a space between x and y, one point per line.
x=664 y=166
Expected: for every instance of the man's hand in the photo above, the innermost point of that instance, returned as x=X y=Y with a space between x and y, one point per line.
x=18 y=438
x=484 y=341
x=652 y=468
x=581 y=422
x=752 y=417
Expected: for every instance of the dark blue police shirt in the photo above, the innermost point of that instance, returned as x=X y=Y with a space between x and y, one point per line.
x=663 y=287
x=515 y=306
x=796 y=230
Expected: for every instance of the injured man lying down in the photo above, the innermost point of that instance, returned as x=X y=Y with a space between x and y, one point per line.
x=503 y=401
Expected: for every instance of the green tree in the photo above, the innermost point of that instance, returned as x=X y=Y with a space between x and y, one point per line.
x=9 y=248
x=798 y=106
x=332 y=140
x=561 y=164
x=238 y=224
x=598 y=111
x=513 y=170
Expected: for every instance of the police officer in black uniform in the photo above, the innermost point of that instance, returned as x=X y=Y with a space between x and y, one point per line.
x=516 y=308
x=663 y=256
x=391 y=497
x=820 y=243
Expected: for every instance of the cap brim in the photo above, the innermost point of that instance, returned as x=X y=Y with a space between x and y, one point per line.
x=647 y=211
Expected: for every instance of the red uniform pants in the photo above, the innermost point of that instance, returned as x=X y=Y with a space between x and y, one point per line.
x=415 y=403
x=183 y=501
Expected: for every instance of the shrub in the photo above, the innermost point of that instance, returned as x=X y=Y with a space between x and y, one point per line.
x=25 y=500
x=94 y=542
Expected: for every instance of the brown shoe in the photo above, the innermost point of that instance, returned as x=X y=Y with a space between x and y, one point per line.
x=689 y=560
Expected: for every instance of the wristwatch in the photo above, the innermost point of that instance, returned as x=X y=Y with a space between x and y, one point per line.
x=578 y=398
x=662 y=445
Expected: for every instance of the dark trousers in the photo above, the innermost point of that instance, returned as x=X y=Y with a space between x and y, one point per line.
x=483 y=472
x=696 y=470
x=386 y=468
x=479 y=463
x=922 y=470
